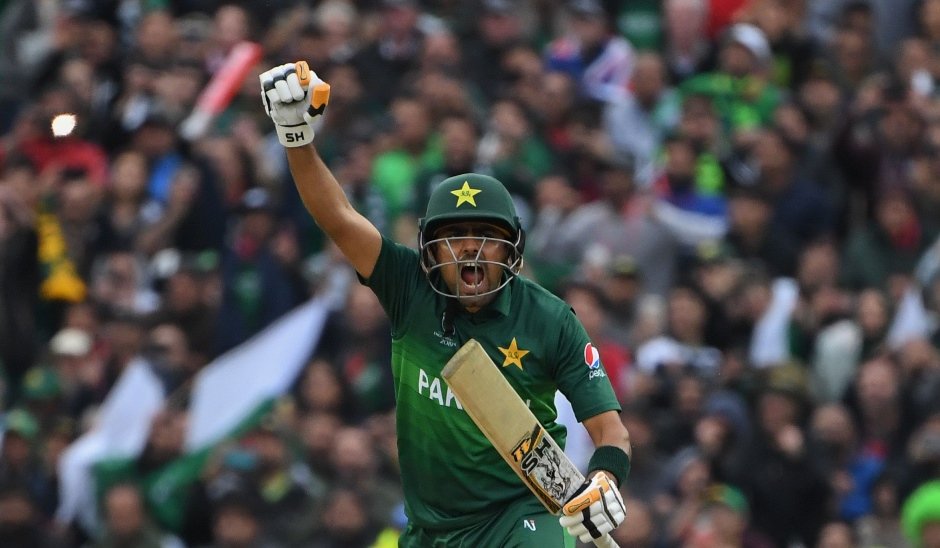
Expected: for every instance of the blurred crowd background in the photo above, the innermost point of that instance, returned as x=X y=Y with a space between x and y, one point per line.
x=739 y=198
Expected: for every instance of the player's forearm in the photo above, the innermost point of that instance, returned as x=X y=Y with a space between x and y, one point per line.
x=321 y=193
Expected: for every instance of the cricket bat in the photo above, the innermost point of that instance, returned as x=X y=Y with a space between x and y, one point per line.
x=220 y=90
x=509 y=424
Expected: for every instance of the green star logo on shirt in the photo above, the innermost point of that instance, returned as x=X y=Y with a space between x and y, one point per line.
x=465 y=194
x=513 y=354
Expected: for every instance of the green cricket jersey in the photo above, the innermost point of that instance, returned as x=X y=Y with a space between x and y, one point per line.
x=451 y=475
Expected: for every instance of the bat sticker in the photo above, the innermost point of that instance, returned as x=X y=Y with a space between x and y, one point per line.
x=545 y=469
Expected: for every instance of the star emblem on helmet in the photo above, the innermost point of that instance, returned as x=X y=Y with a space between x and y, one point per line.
x=513 y=354
x=465 y=194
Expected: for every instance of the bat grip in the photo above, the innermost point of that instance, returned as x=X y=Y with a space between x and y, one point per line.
x=606 y=541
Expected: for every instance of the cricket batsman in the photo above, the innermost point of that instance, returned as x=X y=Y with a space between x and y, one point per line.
x=463 y=282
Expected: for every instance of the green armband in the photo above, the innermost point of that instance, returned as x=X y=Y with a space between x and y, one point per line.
x=612 y=459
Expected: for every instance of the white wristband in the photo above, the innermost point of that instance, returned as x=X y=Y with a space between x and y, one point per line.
x=295 y=136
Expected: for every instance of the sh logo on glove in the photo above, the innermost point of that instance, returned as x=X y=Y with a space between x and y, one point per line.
x=295 y=98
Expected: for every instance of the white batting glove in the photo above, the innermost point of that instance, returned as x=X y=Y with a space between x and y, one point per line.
x=295 y=98
x=596 y=509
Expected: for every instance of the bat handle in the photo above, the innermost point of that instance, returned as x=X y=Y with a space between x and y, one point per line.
x=606 y=541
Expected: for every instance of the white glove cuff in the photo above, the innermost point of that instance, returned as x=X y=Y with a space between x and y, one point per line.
x=295 y=136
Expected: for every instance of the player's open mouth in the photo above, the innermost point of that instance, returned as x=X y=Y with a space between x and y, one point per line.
x=472 y=275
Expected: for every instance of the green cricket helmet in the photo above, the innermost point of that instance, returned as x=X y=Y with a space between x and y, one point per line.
x=470 y=197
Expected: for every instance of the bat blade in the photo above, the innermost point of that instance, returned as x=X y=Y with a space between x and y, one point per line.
x=512 y=429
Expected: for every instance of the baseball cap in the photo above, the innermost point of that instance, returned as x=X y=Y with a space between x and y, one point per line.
x=41 y=383
x=21 y=422
x=624 y=266
x=726 y=495
x=71 y=341
x=919 y=509
x=753 y=39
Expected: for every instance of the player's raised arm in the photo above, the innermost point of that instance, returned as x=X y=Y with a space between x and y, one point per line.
x=295 y=98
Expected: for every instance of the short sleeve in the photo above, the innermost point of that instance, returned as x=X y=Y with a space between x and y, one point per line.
x=579 y=373
x=395 y=280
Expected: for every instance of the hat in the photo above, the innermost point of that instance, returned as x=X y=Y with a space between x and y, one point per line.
x=921 y=508
x=256 y=199
x=753 y=40
x=590 y=8
x=41 y=383
x=712 y=252
x=790 y=379
x=21 y=422
x=726 y=495
x=71 y=341
x=623 y=266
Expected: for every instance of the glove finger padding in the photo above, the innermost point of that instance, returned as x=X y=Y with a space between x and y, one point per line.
x=294 y=98
x=596 y=509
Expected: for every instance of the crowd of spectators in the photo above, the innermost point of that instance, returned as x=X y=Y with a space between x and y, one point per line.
x=739 y=198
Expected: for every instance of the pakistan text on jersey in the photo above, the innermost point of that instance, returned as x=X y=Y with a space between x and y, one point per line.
x=437 y=390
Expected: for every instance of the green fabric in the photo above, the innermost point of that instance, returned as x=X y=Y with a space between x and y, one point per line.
x=709 y=176
x=394 y=173
x=522 y=524
x=451 y=476
x=920 y=508
x=167 y=488
x=641 y=22
x=741 y=103
x=521 y=170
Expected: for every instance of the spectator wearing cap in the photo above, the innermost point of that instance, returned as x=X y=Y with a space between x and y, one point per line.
x=80 y=371
x=591 y=53
x=20 y=462
x=725 y=521
x=623 y=291
x=791 y=51
x=638 y=124
x=258 y=280
x=743 y=95
x=41 y=395
x=690 y=214
x=788 y=496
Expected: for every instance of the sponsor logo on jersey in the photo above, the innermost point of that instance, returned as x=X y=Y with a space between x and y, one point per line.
x=529 y=524
x=592 y=358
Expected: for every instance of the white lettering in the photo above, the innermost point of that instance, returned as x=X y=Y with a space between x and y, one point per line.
x=423 y=381
x=596 y=374
x=436 y=393
x=452 y=398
